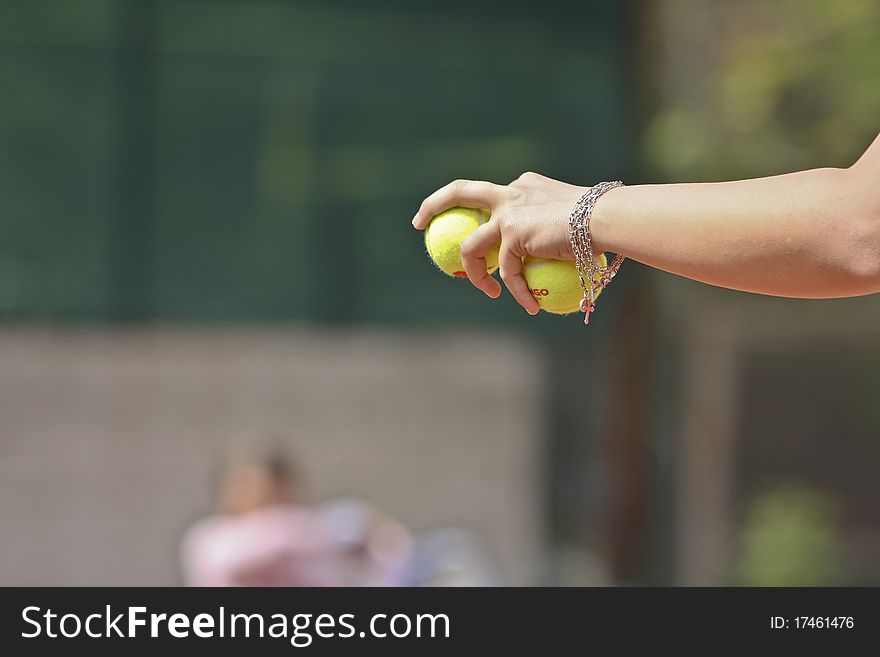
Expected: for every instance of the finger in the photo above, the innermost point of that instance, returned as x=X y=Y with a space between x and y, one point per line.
x=464 y=193
x=473 y=256
x=511 y=274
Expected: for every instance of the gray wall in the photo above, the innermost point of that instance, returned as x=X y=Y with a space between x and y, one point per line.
x=109 y=440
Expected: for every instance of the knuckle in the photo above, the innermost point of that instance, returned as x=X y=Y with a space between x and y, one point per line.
x=507 y=222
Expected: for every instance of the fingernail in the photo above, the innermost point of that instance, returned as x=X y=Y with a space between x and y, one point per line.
x=414 y=219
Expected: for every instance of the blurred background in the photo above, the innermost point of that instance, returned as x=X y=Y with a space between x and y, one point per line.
x=205 y=252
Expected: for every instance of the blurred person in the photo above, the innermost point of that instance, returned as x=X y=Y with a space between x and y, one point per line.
x=378 y=551
x=451 y=557
x=808 y=234
x=264 y=534
x=374 y=549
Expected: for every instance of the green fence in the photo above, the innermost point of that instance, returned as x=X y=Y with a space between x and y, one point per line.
x=249 y=159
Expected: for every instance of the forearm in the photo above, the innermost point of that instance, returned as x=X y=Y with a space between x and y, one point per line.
x=807 y=234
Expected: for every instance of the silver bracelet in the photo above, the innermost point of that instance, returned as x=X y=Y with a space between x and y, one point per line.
x=593 y=275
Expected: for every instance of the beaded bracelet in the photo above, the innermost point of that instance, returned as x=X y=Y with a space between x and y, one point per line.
x=581 y=240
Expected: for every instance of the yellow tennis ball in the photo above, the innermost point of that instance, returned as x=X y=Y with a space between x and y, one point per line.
x=444 y=236
x=555 y=284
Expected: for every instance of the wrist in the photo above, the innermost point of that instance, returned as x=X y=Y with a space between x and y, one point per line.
x=594 y=271
x=602 y=222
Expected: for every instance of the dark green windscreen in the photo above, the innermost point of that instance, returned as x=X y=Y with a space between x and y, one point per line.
x=251 y=159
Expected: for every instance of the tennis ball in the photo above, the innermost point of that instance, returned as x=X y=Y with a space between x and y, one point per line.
x=555 y=283
x=445 y=233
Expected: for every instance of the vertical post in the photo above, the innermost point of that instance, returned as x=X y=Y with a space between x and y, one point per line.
x=630 y=356
x=132 y=192
x=627 y=421
x=335 y=292
x=706 y=450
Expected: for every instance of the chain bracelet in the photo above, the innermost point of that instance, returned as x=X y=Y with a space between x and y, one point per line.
x=594 y=277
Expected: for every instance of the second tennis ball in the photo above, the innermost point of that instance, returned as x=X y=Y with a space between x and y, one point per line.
x=444 y=236
x=555 y=284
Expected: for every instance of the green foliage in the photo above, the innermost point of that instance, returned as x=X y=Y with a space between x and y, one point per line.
x=770 y=87
x=790 y=538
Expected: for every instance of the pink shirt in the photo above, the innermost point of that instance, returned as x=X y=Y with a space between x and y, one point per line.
x=275 y=546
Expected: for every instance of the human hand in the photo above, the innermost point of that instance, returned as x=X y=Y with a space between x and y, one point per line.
x=529 y=217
